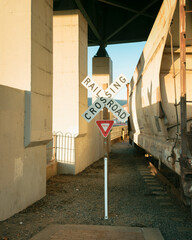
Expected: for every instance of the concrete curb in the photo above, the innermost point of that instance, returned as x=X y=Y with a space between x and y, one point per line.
x=148 y=233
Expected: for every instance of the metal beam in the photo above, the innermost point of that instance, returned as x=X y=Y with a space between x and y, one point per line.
x=115 y=4
x=130 y=20
x=91 y=25
x=94 y=43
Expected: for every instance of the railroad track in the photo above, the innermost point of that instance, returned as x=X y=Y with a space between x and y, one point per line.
x=170 y=179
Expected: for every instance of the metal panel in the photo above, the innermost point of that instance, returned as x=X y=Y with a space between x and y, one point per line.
x=156 y=119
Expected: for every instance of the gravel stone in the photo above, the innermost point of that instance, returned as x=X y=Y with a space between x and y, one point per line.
x=79 y=199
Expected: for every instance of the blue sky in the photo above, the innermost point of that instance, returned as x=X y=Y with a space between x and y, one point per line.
x=125 y=58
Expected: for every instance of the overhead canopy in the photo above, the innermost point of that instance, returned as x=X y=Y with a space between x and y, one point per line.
x=114 y=21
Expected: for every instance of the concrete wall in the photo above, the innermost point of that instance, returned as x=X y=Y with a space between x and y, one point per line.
x=89 y=147
x=102 y=70
x=23 y=170
x=70 y=68
x=26 y=101
x=51 y=170
x=70 y=97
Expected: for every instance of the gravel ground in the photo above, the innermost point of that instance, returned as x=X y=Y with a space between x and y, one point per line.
x=137 y=198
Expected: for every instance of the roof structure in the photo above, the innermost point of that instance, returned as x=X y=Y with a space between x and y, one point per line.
x=114 y=21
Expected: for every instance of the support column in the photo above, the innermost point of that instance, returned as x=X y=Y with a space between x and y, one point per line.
x=70 y=42
x=102 y=68
x=26 y=62
x=70 y=68
x=102 y=74
x=26 y=101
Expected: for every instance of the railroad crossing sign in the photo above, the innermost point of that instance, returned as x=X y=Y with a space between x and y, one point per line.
x=110 y=92
x=104 y=99
x=105 y=126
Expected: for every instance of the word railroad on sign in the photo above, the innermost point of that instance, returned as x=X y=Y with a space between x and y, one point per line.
x=104 y=99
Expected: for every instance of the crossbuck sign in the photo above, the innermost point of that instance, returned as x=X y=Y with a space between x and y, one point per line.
x=104 y=99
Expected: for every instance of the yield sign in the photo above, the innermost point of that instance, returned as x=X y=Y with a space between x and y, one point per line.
x=105 y=126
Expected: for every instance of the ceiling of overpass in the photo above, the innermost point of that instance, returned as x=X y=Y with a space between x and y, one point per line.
x=114 y=21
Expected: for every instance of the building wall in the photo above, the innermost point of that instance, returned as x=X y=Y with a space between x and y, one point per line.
x=25 y=101
x=23 y=170
x=89 y=146
x=70 y=34
x=69 y=67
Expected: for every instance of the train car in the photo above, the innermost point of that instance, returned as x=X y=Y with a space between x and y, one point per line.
x=160 y=92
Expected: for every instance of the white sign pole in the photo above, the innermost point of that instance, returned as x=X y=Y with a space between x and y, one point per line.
x=105 y=116
x=106 y=186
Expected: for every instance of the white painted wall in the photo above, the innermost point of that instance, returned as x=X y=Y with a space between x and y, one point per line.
x=26 y=101
x=23 y=170
x=102 y=70
x=89 y=147
x=70 y=68
x=69 y=96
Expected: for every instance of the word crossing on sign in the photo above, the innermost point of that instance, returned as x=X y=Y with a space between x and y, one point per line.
x=109 y=103
x=105 y=126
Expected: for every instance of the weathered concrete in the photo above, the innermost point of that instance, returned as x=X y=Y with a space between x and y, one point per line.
x=102 y=70
x=86 y=232
x=70 y=97
x=23 y=170
x=51 y=170
x=26 y=101
x=70 y=67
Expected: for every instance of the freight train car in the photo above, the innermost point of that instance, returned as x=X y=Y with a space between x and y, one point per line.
x=160 y=100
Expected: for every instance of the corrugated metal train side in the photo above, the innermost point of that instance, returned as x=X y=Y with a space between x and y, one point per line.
x=154 y=100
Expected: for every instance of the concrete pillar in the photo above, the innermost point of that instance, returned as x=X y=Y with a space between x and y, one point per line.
x=26 y=61
x=102 y=74
x=26 y=101
x=70 y=42
x=102 y=70
x=70 y=68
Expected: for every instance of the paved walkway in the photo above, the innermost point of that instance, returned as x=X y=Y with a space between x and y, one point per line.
x=93 y=232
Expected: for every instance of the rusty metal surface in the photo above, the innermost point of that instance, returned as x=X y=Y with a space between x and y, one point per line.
x=160 y=117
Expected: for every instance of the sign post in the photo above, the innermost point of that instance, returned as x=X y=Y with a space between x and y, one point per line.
x=106 y=185
x=105 y=127
x=104 y=100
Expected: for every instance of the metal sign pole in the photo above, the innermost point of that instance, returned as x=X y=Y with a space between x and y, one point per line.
x=105 y=116
x=106 y=181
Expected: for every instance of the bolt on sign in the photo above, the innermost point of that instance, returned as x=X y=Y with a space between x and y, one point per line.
x=104 y=99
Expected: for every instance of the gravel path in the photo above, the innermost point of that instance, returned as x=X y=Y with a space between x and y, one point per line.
x=136 y=199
